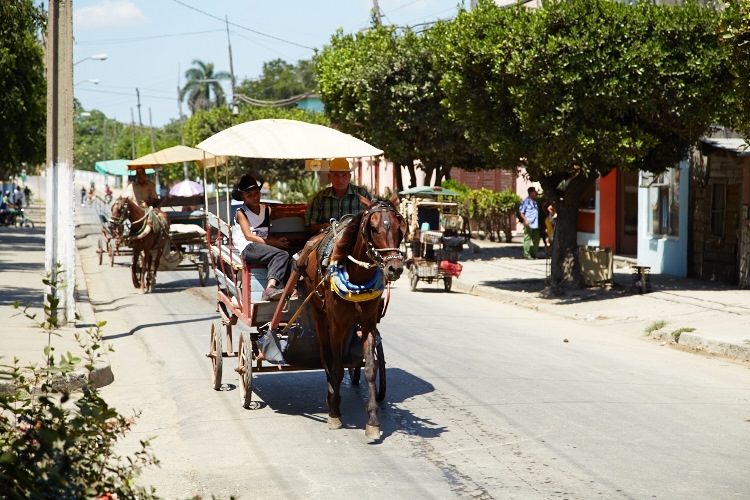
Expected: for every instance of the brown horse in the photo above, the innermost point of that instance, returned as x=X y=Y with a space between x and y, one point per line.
x=364 y=257
x=148 y=237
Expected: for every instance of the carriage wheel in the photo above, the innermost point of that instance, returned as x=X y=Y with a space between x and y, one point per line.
x=203 y=269
x=447 y=283
x=354 y=375
x=217 y=360
x=135 y=270
x=245 y=370
x=381 y=372
x=100 y=250
x=413 y=277
x=111 y=252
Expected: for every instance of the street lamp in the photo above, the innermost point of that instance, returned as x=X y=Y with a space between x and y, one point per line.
x=93 y=80
x=98 y=57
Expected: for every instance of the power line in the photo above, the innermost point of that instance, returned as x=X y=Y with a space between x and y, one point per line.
x=125 y=93
x=242 y=27
x=144 y=38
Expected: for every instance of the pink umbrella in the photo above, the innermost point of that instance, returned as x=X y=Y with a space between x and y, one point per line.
x=186 y=188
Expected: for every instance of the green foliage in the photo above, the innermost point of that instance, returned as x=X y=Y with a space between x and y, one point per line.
x=676 y=334
x=201 y=83
x=280 y=80
x=24 y=90
x=57 y=445
x=656 y=325
x=492 y=211
x=380 y=85
x=736 y=34
x=576 y=89
x=455 y=186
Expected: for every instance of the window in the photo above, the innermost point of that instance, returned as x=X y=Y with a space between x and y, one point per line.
x=718 y=209
x=663 y=202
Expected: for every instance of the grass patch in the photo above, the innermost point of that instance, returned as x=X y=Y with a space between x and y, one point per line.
x=656 y=325
x=676 y=334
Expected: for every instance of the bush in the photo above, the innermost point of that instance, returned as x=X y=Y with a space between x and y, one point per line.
x=57 y=445
x=492 y=211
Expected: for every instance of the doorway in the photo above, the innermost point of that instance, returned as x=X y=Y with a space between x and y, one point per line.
x=627 y=213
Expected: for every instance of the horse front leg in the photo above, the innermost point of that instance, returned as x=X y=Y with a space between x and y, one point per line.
x=326 y=359
x=372 y=429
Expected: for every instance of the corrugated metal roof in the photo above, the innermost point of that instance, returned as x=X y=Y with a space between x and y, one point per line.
x=739 y=146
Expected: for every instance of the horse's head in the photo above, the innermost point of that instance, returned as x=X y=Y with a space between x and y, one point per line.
x=383 y=228
x=120 y=213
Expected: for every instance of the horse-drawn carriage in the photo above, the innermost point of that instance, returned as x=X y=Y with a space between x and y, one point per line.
x=170 y=235
x=339 y=284
x=433 y=245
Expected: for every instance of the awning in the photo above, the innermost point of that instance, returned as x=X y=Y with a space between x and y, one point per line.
x=116 y=167
x=738 y=146
x=424 y=191
x=286 y=139
x=176 y=154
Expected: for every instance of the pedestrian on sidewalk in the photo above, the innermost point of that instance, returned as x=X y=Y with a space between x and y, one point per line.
x=529 y=212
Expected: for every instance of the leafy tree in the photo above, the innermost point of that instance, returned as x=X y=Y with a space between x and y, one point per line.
x=737 y=35
x=380 y=86
x=201 y=82
x=280 y=80
x=23 y=87
x=576 y=89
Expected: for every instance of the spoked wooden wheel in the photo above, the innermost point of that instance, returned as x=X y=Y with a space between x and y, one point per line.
x=203 y=269
x=215 y=353
x=100 y=249
x=381 y=372
x=413 y=278
x=111 y=252
x=135 y=270
x=245 y=370
x=354 y=375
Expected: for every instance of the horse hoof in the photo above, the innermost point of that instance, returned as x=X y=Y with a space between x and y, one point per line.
x=372 y=431
x=334 y=423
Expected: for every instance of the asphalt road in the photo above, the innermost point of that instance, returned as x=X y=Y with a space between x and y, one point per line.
x=484 y=400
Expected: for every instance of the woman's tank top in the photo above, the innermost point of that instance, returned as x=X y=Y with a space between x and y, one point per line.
x=259 y=225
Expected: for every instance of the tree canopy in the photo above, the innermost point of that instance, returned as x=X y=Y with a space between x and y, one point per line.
x=280 y=80
x=577 y=89
x=24 y=90
x=380 y=86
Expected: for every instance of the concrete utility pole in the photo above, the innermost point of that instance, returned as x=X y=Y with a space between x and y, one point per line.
x=138 y=94
x=132 y=129
x=60 y=243
x=376 y=10
x=231 y=66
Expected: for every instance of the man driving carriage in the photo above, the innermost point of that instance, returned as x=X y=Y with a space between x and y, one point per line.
x=337 y=200
x=142 y=191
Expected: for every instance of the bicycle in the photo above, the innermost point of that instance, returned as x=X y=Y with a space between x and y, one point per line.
x=23 y=221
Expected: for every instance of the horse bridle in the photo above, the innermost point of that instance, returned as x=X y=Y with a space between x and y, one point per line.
x=375 y=253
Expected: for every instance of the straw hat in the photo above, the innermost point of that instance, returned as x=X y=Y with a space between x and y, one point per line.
x=340 y=165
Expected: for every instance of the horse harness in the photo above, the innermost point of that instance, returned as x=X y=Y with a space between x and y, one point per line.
x=336 y=273
x=150 y=219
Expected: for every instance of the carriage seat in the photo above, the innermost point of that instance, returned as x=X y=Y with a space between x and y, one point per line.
x=185 y=232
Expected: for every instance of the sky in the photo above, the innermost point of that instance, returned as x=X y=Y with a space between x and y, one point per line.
x=151 y=43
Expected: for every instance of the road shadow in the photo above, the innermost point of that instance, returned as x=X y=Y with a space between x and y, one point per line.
x=303 y=394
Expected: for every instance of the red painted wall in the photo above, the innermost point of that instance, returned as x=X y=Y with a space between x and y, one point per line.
x=608 y=210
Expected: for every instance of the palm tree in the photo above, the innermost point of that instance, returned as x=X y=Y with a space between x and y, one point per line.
x=201 y=80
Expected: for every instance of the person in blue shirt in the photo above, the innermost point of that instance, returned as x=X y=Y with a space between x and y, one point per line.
x=529 y=212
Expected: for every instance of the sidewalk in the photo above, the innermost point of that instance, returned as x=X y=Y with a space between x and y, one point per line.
x=22 y=258
x=719 y=314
